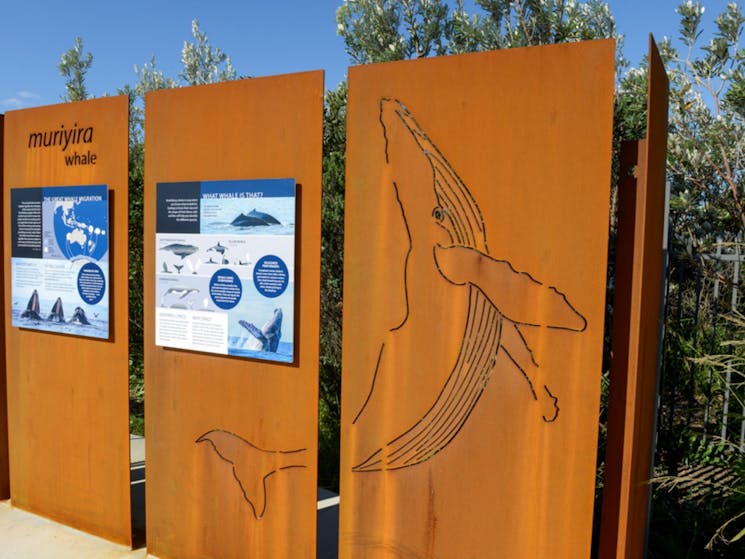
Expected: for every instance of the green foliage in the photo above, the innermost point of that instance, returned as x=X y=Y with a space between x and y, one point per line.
x=203 y=63
x=332 y=264
x=73 y=65
x=519 y=23
x=385 y=30
x=705 y=157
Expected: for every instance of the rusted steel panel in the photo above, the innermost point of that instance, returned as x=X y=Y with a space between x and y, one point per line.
x=475 y=266
x=633 y=394
x=68 y=404
x=204 y=412
x=4 y=473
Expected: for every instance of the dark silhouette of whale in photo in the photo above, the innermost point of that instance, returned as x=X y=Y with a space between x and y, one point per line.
x=255 y=218
x=78 y=317
x=57 y=314
x=269 y=334
x=32 y=311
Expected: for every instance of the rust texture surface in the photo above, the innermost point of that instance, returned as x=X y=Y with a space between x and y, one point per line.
x=475 y=266
x=68 y=406
x=4 y=474
x=632 y=399
x=203 y=495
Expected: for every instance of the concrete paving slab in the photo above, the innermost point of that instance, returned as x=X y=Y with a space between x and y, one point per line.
x=26 y=536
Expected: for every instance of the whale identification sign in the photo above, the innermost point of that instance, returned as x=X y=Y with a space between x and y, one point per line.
x=60 y=259
x=225 y=266
x=233 y=185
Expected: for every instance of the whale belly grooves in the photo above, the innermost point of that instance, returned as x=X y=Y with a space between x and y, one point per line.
x=458 y=397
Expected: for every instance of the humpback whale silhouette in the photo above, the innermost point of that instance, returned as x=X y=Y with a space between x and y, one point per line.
x=254 y=218
x=57 y=314
x=269 y=334
x=32 y=311
x=182 y=292
x=79 y=317
x=455 y=235
x=252 y=466
x=218 y=248
x=180 y=249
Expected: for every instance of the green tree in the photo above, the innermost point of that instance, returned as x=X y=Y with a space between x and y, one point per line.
x=706 y=160
x=202 y=63
x=73 y=65
x=384 y=30
x=520 y=23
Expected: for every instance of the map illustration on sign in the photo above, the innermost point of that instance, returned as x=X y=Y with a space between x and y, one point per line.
x=60 y=259
x=225 y=260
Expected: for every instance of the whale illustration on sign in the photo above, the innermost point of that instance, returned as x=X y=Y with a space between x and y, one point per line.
x=254 y=218
x=252 y=466
x=182 y=292
x=32 y=311
x=218 y=248
x=180 y=249
x=269 y=334
x=450 y=242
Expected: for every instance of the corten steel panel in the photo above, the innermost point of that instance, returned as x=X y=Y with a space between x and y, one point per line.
x=633 y=395
x=475 y=265
x=257 y=128
x=68 y=403
x=4 y=474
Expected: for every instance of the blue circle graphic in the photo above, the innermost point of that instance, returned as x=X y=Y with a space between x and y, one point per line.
x=271 y=276
x=91 y=283
x=225 y=288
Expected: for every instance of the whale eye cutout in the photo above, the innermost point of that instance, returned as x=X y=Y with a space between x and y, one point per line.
x=438 y=213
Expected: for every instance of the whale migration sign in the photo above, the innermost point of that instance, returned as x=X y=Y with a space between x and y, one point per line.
x=66 y=317
x=60 y=259
x=224 y=271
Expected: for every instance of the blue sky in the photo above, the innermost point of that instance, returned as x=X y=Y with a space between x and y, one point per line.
x=262 y=37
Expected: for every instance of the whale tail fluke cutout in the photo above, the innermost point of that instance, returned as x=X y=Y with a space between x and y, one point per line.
x=252 y=466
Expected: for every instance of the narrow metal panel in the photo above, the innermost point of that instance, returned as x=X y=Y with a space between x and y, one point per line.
x=68 y=398
x=475 y=265
x=633 y=386
x=203 y=495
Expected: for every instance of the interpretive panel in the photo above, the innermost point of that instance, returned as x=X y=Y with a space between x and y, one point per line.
x=66 y=265
x=477 y=205
x=60 y=259
x=225 y=262
x=233 y=238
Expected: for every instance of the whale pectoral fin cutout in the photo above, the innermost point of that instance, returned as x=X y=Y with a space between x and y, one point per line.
x=518 y=295
x=519 y=354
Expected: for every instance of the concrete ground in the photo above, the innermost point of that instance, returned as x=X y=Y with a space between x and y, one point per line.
x=26 y=536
